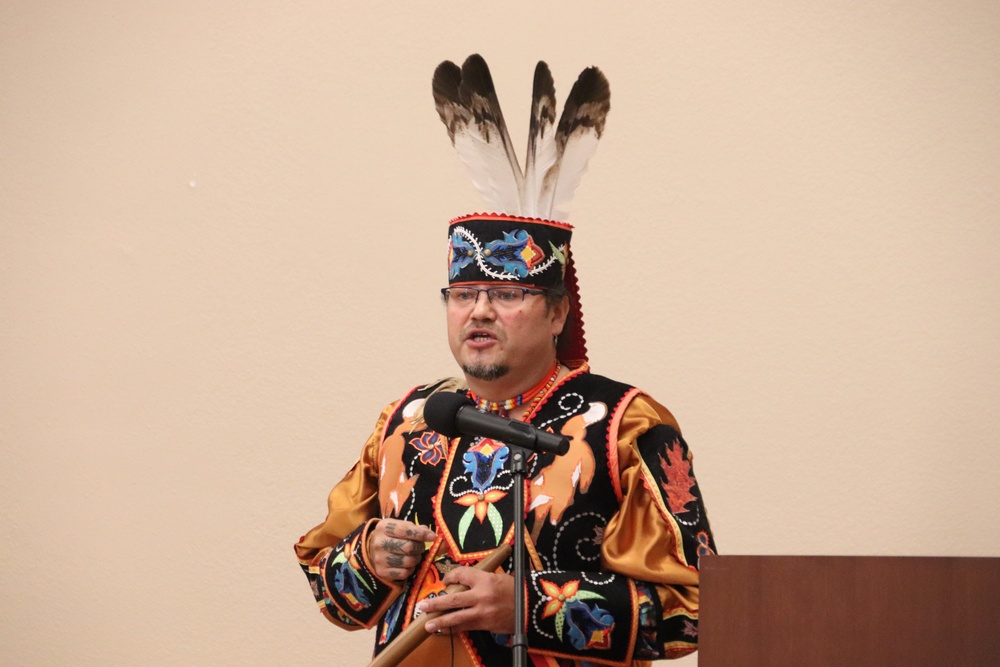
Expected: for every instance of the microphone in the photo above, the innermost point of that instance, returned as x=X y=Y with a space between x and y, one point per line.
x=452 y=414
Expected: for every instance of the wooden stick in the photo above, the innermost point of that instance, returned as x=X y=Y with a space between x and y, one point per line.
x=415 y=634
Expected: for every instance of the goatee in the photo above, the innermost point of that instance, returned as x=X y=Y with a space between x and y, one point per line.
x=486 y=372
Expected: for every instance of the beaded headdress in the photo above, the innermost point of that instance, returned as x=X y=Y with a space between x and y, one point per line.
x=521 y=242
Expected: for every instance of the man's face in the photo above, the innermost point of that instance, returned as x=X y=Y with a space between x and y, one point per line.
x=504 y=340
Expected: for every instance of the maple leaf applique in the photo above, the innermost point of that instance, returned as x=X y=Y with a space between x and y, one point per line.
x=679 y=481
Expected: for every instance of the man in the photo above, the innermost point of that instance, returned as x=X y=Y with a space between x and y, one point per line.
x=615 y=527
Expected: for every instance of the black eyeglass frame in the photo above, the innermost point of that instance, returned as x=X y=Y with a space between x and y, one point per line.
x=446 y=292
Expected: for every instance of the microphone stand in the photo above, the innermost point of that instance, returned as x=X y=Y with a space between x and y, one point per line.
x=519 y=469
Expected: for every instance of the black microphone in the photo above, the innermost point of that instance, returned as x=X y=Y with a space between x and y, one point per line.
x=453 y=414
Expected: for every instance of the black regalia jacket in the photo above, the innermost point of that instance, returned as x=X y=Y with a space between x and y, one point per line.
x=616 y=528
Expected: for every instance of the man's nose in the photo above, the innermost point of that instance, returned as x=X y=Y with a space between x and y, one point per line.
x=483 y=305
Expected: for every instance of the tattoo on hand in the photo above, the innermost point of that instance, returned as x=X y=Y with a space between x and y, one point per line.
x=394 y=560
x=394 y=546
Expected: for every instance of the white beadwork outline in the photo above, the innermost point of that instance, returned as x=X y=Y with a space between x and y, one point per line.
x=543 y=599
x=563 y=525
x=689 y=524
x=566 y=412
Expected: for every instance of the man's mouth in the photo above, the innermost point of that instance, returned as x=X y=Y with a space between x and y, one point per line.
x=480 y=336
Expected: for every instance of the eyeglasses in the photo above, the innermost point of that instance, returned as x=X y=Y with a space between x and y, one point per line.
x=463 y=297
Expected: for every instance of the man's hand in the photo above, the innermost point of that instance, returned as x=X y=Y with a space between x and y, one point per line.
x=487 y=605
x=394 y=547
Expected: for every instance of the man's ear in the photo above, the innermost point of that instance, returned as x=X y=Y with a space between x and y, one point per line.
x=559 y=313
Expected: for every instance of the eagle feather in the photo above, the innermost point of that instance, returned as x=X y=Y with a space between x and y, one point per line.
x=467 y=102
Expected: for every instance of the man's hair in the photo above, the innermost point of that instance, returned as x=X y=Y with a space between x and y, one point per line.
x=555 y=295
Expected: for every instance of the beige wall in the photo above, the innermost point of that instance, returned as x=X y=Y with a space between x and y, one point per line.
x=222 y=228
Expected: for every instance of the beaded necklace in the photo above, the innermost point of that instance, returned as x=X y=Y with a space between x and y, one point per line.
x=503 y=407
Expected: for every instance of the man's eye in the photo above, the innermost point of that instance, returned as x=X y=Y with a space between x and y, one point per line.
x=505 y=294
x=465 y=295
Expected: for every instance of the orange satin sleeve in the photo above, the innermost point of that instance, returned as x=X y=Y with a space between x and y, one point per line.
x=639 y=541
x=352 y=501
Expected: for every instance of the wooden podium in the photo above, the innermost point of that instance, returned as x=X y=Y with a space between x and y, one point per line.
x=848 y=611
